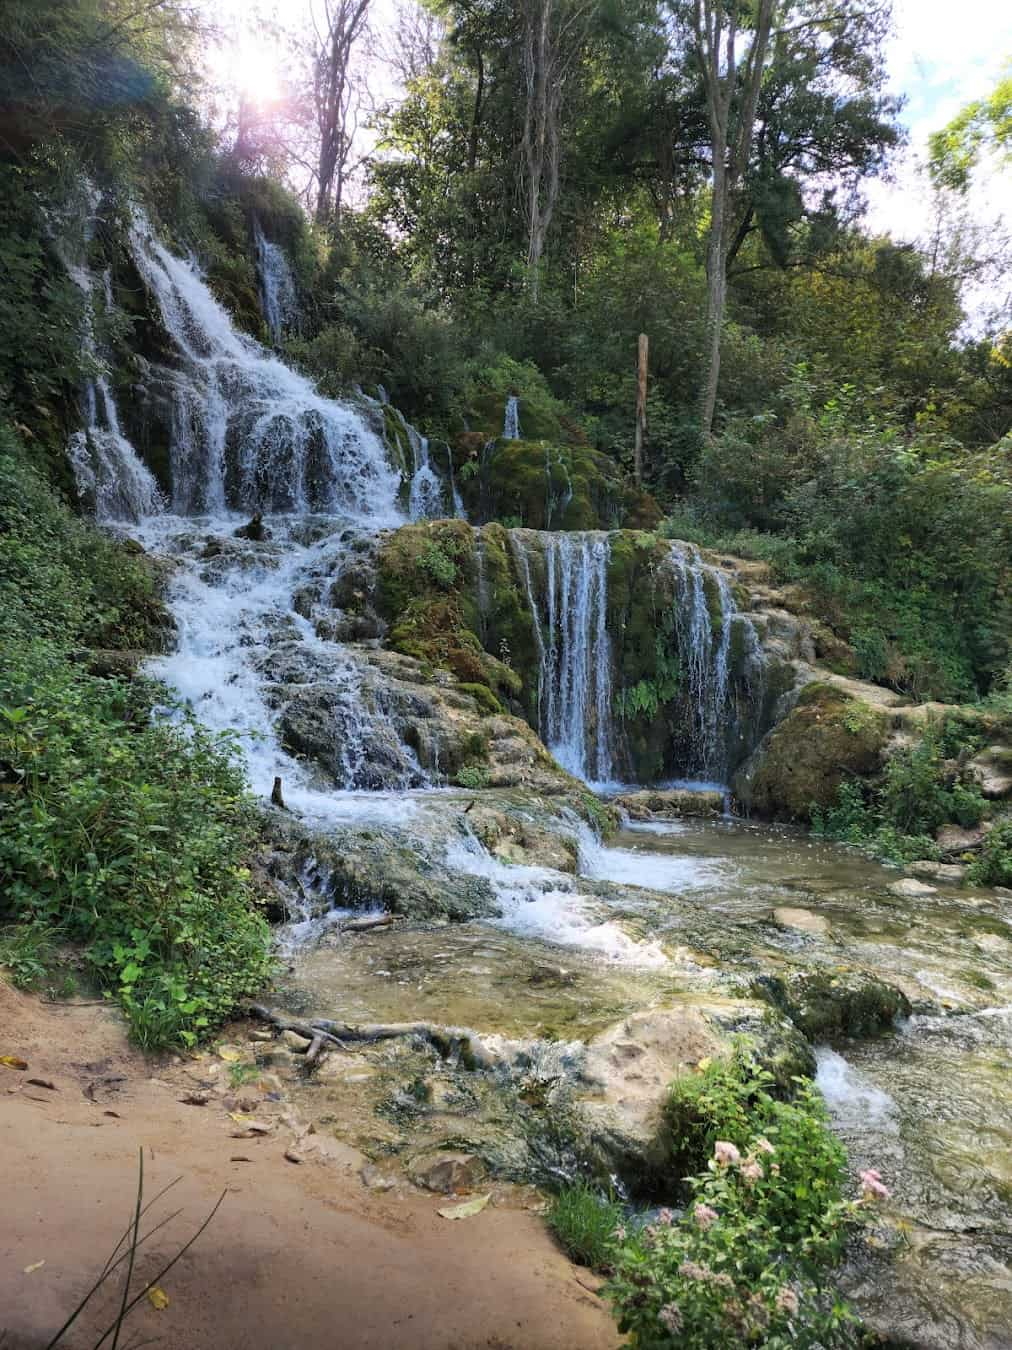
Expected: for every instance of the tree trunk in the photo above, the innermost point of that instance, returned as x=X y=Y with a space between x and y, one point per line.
x=641 y=407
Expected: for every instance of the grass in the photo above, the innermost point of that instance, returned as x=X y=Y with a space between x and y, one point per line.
x=584 y=1222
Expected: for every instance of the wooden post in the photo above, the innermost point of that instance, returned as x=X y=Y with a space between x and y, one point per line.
x=641 y=408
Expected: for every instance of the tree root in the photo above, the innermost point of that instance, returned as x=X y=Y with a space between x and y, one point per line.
x=448 y=1041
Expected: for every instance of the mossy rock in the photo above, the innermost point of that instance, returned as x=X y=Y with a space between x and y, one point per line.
x=828 y=737
x=827 y=1006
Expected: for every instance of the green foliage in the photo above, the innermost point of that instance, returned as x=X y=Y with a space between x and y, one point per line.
x=993 y=864
x=585 y=1222
x=983 y=126
x=126 y=834
x=436 y=563
x=472 y=776
x=26 y=951
x=921 y=789
x=767 y=1220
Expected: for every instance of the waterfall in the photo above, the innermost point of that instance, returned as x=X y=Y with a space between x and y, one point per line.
x=426 y=499
x=248 y=433
x=574 y=651
x=105 y=464
x=706 y=644
x=278 y=296
x=511 y=421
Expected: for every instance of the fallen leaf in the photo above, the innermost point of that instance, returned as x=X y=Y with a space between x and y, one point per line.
x=467 y=1210
x=229 y=1056
x=115 y=1114
x=250 y=1123
x=292 y=1156
x=194 y=1099
x=43 y=1082
x=238 y=1157
x=12 y=1062
x=36 y=1265
x=158 y=1298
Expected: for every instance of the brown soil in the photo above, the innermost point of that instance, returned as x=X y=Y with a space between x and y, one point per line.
x=300 y=1254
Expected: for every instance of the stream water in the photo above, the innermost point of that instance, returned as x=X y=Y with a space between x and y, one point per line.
x=656 y=915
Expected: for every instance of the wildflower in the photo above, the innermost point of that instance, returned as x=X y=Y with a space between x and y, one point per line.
x=650 y=1235
x=764 y=1145
x=692 y=1270
x=787 y=1301
x=619 y=1233
x=752 y=1172
x=758 y=1313
x=704 y=1215
x=873 y=1187
x=726 y=1154
x=666 y=1217
x=774 y=1169
x=670 y=1318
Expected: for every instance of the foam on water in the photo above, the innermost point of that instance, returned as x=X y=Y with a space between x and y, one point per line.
x=854 y=1102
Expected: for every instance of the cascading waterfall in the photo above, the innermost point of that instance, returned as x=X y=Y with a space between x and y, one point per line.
x=574 y=680
x=511 y=420
x=248 y=433
x=105 y=464
x=278 y=295
x=705 y=641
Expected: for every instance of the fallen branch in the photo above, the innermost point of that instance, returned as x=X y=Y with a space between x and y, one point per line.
x=446 y=1040
x=364 y=925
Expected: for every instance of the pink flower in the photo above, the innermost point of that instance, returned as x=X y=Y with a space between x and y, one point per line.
x=670 y=1318
x=704 y=1216
x=787 y=1301
x=752 y=1172
x=666 y=1217
x=726 y=1154
x=774 y=1169
x=692 y=1270
x=619 y=1234
x=764 y=1146
x=873 y=1187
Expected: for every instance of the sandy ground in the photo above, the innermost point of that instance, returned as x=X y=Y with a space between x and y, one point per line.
x=300 y=1254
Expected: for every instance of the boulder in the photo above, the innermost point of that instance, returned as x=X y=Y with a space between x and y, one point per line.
x=670 y=804
x=447 y=1172
x=828 y=737
x=946 y=874
x=787 y=916
x=827 y=1005
x=954 y=840
x=993 y=770
x=911 y=889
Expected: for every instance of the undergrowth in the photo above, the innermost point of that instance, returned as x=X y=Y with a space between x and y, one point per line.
x=122 y=831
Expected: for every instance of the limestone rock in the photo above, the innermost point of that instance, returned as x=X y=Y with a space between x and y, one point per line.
x=670 y=803
x=946 y=874
x=804 y=919
x=826 y=1005
x=911 y=889
x=296 y=1043
x=993 y=769
x=828 y=737
x=954 y=840
x=447 y=1172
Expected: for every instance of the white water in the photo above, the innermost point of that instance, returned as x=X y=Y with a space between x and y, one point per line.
x=278 y=295
x=511 y=419
x=706 y=651
x=106 y=467
x=854 y=1102
x=248 y=432
x=574 y=681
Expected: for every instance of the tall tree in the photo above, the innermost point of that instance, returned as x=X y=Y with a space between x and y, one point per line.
x=982 y=127
x=334 y=93
x=554 y=35
x=732 y=59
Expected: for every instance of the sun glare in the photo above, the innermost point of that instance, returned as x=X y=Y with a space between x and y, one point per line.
x=256 y=74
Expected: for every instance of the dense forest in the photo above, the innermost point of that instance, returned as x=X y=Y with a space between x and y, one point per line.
x=535 y=427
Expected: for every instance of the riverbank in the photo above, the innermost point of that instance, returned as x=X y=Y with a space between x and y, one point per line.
x=300 y=1253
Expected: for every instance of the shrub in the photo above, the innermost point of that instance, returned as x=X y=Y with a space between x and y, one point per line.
x=585 y=1223
x=993 y=865
x=472 y=776
x=767 y=1219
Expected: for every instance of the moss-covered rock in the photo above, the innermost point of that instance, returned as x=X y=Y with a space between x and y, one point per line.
x=828 y=737
x=828 y=1005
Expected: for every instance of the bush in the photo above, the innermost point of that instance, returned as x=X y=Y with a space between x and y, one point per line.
x=126 y=834
x=585 y=1224
x=993 y=865
x=767 y=1219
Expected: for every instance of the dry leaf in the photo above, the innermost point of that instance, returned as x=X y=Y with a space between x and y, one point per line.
x=466 y=1210
x=238 y=1157
x=158 y=1298
x=292 y=1156
x=36 y=1265
x=194 y=1099
x=229 y=1056
x=250 y=1123
x=13 y=1062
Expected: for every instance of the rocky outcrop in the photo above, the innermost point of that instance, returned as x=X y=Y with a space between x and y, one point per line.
x=828 y=737
x=670 y=803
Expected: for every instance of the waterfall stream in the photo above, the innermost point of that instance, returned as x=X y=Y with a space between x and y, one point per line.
x=278 y=295
x=511 y=419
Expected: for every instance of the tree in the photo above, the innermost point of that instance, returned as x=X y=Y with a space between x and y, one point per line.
x=731 y=80
x=334 y=94
x=983 y=126
x=554 y=34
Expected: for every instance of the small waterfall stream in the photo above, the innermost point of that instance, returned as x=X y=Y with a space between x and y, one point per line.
x=511 y=419
x=278 y=295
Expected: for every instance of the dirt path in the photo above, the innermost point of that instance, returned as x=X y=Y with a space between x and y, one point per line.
x=299 y=1255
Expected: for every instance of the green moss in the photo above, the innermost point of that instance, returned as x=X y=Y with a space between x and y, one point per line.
x=827 y=738
x=483 y=696
x=827 y=1006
